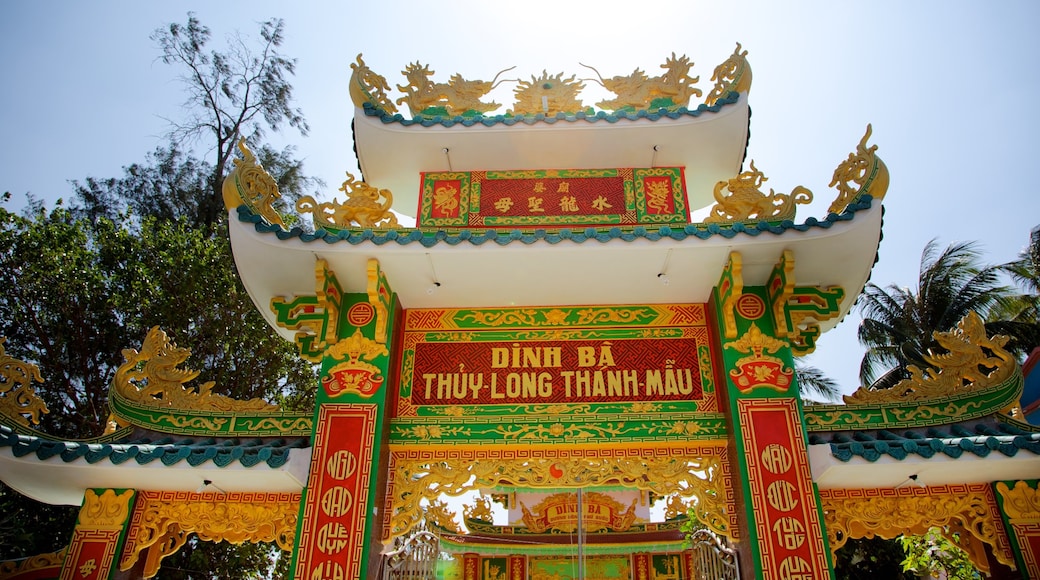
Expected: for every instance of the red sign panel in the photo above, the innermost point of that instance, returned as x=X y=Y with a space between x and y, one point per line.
x=553 y=198
x=579 y=371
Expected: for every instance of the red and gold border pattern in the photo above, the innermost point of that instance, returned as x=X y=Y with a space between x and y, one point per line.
x=332 y=535
x=91 y=554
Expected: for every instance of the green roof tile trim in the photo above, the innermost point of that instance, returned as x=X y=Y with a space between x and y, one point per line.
x=963 y=406
x=168 y=451
x=212 y=423
x=583 y=116
x=432 y=237
x=952 y=441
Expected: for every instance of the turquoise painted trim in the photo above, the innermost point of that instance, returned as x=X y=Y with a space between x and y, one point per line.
x=953 y=441
x=429 y=238
x=582 y=116
x=247 y=452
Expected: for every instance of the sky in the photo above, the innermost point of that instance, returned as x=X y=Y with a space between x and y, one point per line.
x=948 y=87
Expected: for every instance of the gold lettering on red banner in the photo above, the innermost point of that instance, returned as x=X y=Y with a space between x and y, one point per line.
x=786 y=513
x=331 y=537
x=554 y=372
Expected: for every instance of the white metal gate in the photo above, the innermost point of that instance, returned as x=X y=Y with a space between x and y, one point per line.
x=712 y=559
x=414 y=558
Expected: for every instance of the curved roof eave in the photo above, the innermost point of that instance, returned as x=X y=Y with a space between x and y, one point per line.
x=946 y=455
x=591 y=266
x=58 y=472
x=709 y=142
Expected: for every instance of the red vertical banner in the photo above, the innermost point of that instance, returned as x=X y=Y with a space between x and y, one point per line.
x=332 y=535
x=641 y=566
x=470 y=566
x=1028 y=536
x=786 y=509
x=687 y=558
x=517 y=567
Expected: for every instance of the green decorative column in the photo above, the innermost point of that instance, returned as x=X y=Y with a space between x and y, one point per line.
x=99 y=535
x=784 y=536
x=348 y=334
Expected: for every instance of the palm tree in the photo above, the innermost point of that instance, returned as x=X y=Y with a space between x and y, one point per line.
x=815 y=386
x=1019 y=317
x=898 y=322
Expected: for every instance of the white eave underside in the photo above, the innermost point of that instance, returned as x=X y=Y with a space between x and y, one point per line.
x=710 y=146
x=57 y=482
x=567 y=273
x=886 y=472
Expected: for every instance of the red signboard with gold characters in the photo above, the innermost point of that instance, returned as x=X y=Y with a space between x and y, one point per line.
x=553 y=197
x=616 y=354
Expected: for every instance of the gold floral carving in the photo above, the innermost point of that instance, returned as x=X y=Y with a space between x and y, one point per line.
x=973 y=362
x=1021 y=503
x=675 y=507
x=362 y=207
x=798 y=312
x=354 y=375
x=480 y=510
x=704 y=478
x=601 y=315
x=759 y=368
x=863 y=173
x=968 y=511
x=731 y=288
x=638 y=91
x=108 y=510
x=162 y=523
x=457 y=96
x=548 y=95
x=18 y=399
x=249 y=184
x=745 y=202
x=151 y=377
x=734 y=74
x=16 y=568
x=356 y=348
x=374 y=298
x=368 y=87
x=438 y=514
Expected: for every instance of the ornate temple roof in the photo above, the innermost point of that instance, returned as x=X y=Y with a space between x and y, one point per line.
x=652 y=123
